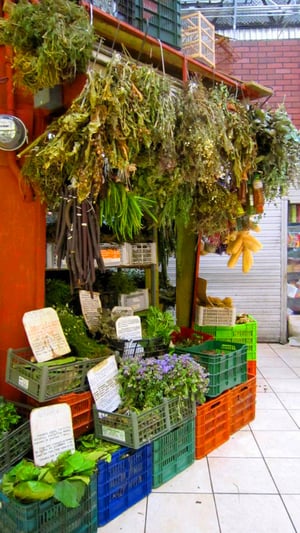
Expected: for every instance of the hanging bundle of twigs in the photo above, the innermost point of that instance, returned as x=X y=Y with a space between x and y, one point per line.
x=78 y=239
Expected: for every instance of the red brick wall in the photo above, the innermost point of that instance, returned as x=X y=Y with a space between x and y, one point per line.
x=275 y=64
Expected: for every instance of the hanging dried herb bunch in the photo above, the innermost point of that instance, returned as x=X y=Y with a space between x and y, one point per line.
x=52 y=41
x=278 y=144
x=123 y=116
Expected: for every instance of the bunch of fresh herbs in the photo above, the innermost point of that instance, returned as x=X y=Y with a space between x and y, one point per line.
x=9 y=416
x=145 y=382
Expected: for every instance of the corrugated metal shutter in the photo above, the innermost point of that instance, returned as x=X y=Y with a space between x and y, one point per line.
x=262 y=292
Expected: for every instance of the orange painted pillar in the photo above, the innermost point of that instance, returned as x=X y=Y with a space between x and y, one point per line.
x=22 y=235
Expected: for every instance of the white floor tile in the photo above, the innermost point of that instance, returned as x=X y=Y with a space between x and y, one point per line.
x=279 y=443
x=267 y=400
x=283 y=372
x=270 y=362
x=133 y=519
x=276 y=419
x=286 y=474
x=295 y=414
x=241 y=444
x=290 y=400
x=285 y=385
x=181 y=513
x=249 y=513
x=292 y=502
x=240 y=475
x=194 y=479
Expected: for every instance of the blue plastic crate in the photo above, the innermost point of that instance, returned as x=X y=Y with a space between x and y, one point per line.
x=50 y=516
x=123 y=482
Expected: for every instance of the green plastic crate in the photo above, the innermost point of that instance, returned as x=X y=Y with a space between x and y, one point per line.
x=50 y=516
x=135 y=430
x=225 y=362
x=42 y=382
x=158 y=19
x=173 y=453
x=241 y=333
x=15 y=445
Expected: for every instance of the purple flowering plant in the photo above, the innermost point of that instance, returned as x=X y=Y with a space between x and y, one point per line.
x=146 y=381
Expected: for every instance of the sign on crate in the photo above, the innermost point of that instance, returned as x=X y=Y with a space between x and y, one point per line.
x=52 y=432
x=103 y=384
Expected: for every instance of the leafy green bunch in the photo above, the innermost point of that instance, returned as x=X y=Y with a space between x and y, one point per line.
x=159 y=324
x=9 y=416
x=145 y=382
x=64 y=479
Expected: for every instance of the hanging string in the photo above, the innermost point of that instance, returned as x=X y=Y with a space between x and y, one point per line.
x=162 y=56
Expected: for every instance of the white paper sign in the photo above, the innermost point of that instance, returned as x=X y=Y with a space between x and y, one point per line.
x=90 y=305
x=103 y=384
x=45 y=334
x=51 y=432
x=129 y=328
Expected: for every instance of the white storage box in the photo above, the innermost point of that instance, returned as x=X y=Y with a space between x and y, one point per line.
x=215 y=316
x=137 y=300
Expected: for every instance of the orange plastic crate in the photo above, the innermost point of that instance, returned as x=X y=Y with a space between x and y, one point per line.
x=212 y=426
x=81 y=405
x=251 y=368
x=242 y=399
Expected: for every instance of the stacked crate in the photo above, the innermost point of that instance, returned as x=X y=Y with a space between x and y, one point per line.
x=232 y=389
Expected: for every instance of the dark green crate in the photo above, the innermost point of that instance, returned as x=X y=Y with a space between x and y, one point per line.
x=159 y=19
x=50 y=516
x=42 y=382
x=135 y=430
x=14 y=445
x=173 y=453
x=226 y=364
x=241 y=333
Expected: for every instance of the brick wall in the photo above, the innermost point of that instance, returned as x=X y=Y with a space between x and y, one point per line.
x=275 y=64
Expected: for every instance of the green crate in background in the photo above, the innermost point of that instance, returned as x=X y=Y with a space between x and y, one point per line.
x=173 y=453
x=159 y=19
x=241 y=333
x=225 y=362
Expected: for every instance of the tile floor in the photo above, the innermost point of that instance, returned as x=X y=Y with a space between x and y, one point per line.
x=250 y=484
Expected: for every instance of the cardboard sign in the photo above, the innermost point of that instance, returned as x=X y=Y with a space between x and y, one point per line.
x=90 y=305
x=45 y=335
x=103 y=384
x=51 y=432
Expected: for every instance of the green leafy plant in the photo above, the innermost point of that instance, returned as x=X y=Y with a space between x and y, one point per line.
x=64 y=479
x=9 y=416
x=144 y=382
x=159 y=323
x=75 y=331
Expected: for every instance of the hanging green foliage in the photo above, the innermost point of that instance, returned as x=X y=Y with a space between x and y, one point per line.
x=52 y=41
x=278 y=144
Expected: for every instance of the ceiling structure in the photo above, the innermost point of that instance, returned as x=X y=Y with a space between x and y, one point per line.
x=247 y=14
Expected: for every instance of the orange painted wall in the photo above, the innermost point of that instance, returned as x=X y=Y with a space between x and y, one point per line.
x=22 y=235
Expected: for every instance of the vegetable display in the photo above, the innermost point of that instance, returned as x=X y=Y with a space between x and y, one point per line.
x=65 y=479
